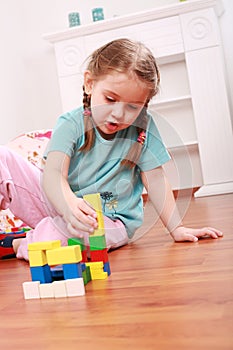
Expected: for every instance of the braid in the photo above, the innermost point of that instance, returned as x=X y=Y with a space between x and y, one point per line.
x=86 y=100
x=135 y=150
x=88 y=127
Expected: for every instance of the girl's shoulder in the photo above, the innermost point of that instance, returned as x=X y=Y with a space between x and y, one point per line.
x=155 y=122
x=68 y=132
x=71 y=122
x=75 y=115
x=152 y=120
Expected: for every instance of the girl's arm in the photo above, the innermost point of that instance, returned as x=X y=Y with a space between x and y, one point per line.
x=161 y=196
x=75 y=211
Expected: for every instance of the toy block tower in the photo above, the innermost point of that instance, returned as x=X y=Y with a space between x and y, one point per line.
x=63 y=271
x=97 y=241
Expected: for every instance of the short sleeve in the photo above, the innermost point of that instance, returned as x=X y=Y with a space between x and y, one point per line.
x=68 y=133
x=154 y=152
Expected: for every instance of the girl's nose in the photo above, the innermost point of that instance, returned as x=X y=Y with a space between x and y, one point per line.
x=118 y=110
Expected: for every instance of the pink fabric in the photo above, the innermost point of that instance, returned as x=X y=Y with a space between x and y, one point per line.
x=21 y=192
x=31 y=146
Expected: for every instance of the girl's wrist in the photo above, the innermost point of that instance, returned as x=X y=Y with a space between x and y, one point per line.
x=173 y=230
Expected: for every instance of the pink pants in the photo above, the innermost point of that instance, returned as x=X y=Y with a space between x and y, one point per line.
x=21 y=192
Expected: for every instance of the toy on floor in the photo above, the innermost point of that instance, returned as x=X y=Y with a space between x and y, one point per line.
x=64 y=271
x=10 y=223
x=6 y=239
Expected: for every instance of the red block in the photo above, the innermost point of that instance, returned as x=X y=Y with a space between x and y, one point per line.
x=84 y=256
x=99 y=255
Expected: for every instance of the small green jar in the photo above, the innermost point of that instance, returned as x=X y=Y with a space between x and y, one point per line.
x=97 y=14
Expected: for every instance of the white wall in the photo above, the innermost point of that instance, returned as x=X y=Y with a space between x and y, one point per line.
x=226 y=28
x=29 y=92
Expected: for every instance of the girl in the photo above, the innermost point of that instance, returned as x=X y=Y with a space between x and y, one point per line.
x=111 y=146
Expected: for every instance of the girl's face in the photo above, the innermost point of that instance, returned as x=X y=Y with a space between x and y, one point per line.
x=116 y=101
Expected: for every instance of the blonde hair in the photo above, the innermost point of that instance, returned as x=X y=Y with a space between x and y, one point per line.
x=123 y=56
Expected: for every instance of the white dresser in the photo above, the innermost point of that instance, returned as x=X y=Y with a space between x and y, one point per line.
x=192 y=106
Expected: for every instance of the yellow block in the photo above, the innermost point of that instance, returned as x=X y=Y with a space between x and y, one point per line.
x=95 y=265
x=95 y=201
x=98 y=275
x=44 y=245
x=64 y=255
x=37 y=257
x=96 y=270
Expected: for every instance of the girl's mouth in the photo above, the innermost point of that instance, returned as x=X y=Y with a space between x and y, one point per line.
x=111 y=126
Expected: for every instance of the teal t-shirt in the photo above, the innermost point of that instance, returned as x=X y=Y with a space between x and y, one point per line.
x=99 y=170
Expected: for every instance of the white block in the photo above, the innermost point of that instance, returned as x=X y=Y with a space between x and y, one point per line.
x=46 y=290
x=59 y=289
x=31 y=290
x=75 y=287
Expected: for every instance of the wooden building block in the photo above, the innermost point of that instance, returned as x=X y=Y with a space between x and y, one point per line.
x=37 y=257
x=44 y=245
x=84 y=256
x=64 y=255
x=97 y=242
x=59 y=289
x=107 y=268
x=86 y=275
x=98 y=275
x=31 y=290
x=46 y=290
x=95 y=201
x=99 y=255
x=73 y=270
x=77 y=241
x=41 y=273
x=97 y=270
x=95 y=265
x=75 y=287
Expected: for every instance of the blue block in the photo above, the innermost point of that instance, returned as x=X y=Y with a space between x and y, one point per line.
x=72 y=270
x=107 y=268
x=41 y=273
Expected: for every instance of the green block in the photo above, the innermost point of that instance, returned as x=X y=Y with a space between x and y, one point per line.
x=86 y=275
x=97 y=242
x=77 y=241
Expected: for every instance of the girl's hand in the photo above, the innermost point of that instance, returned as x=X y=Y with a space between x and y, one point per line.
x=182 y=234
x=80 y=216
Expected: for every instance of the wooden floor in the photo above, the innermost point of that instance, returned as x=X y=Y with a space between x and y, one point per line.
x=161 y=295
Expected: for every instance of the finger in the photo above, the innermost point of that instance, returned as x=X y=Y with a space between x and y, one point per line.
x=209 y=231
x=191 y=238
x=86 y=219
x=88 y=209
x=74 y=232
x=187 y=238
x=76 y=227
x=83 y=223
x=218 y=233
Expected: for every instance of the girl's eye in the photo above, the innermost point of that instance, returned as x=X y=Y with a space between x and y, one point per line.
x=133 y=107
x=110 y=99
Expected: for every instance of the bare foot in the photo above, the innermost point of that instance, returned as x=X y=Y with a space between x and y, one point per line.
x=16 y=243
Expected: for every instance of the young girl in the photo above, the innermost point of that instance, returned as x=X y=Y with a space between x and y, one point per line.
x=109 y=146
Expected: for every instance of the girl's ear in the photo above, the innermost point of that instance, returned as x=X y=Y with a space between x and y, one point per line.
x=88 y=82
